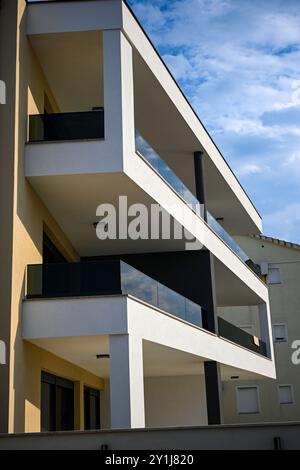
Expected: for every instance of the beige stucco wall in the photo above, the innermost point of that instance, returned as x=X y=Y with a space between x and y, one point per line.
x=175 y=401
x=8 y=27
x=285 y=308
x=169 y=401
x=40 y=360
x=29 y=218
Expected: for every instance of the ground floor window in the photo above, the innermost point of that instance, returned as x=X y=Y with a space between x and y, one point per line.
x=57 y=403
x=91 y=408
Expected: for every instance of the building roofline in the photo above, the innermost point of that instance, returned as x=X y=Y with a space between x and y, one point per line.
x=277 y=241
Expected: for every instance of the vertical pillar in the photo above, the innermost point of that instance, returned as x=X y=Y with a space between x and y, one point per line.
x=213 y=387
x=126 y=382
x=200 y=181
x=118 y=94
x=209 y=316
x=266 y=328
x=210 y=319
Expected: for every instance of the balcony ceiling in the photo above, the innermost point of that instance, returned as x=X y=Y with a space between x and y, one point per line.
x=158 y=360
x=72 y=65
x=73 y=200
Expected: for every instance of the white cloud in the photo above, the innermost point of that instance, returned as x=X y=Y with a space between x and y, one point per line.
x=180 y=66
x=294 y=159
x=238 y=61
x=284 y=223
x=152 y=17
x=249 y=169
x=295 y=97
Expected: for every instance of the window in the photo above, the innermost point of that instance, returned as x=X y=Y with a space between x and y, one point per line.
x=286 y=394
x=274 y=276
x=57 y=403
x=91 y=409
x=280 y=333
x=248 y=400
x=51 y=253
x=248 y=329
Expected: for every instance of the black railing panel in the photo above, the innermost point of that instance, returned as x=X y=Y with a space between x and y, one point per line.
x=73 y=279
x=237 y=335
x=66 y=126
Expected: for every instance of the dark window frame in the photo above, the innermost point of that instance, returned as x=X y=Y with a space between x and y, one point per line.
x=56 y=387
x=88 y=393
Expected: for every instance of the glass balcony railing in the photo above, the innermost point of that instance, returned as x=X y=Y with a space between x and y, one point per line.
x=147 y=152
x=66 y=126
x=237 y=335
x=107 y=278
x=217 y=227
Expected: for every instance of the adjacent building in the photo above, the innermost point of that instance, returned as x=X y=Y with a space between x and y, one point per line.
x=118 y=332
x=271 y=400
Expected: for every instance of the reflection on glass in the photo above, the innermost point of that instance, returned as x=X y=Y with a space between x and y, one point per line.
x=171 y=301
x=165 y=171
x=193 y=313
x=214 y=224
x=138 y=284
x=143 y=287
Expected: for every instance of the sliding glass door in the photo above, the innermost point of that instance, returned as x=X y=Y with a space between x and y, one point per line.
x=57 y=403
x=91 y=409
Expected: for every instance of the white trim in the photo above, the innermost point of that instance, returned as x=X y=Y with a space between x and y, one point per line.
x=62 y=318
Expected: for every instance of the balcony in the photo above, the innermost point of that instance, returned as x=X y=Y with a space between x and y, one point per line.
x=56 y=127
x=114 y=277
x=107 y=278
x=145 y=151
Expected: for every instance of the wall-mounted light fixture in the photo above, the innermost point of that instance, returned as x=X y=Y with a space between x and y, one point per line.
x=103 y=356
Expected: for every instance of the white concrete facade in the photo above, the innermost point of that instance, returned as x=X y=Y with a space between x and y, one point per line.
x=125 y=323
x=128 y=322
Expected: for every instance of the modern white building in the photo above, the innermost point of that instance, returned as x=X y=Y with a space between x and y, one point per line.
x=123 y=330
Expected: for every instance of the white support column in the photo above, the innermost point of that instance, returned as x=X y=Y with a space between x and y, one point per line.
x=127 y=400
x=118 y=93
x=266 y=328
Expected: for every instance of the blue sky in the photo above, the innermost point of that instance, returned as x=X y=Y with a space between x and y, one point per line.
x=238 y=62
